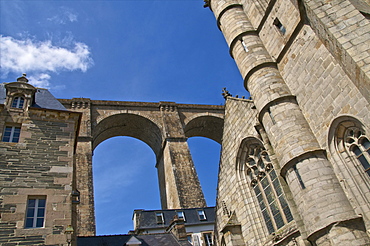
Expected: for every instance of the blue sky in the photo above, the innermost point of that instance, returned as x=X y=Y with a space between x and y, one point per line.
x=130 y=51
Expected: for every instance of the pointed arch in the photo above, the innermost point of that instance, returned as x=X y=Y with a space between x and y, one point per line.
x=349 y=143
x=256 y=172
x=349 y=149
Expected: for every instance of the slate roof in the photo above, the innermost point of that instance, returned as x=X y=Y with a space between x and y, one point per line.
x=148 y=218
x=2 y=93
x=43 y=99
x=158 y=239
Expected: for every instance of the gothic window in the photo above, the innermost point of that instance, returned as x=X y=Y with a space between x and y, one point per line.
x=348 y=144
x=18 y=102
x=35 y=212
x=257 y=170
x=358 y=145
x=11 y=134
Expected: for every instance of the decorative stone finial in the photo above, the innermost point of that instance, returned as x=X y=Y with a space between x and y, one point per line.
x=225 y=93
x=206 y=3
x=23 y=78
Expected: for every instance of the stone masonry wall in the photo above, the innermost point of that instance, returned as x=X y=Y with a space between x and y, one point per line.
x=346 y=33
x=325 y=93
x=41 y=164
x=233 y=196
x=322 y=88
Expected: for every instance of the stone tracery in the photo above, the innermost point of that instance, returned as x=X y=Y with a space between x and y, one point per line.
x=358 y=146
x=256 y=169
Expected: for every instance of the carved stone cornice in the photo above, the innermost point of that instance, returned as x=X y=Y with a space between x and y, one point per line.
x=51 y=114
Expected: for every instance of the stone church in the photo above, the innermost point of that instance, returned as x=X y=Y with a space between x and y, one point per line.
x=295 y=161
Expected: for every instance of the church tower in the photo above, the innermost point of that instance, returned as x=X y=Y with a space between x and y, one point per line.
x=284 y=50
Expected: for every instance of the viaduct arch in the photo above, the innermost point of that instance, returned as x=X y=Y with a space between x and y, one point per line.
x=164 y=127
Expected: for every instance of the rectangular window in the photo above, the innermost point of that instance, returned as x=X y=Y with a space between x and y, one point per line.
x=189 y=239
x=35 y=215
x=160 y=219
x=11 y=134
x=180 y=215
x=202 y=215
x=208 y=239
x=279 y=26
x=244 y=46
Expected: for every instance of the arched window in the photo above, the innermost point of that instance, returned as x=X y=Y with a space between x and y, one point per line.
x=18 y=102
x=358 y=145
x=257 y=170
x=348 y=142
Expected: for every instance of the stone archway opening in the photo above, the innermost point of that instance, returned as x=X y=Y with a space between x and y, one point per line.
x=204 y=139
x=131 y=125
x=125 y=178
x=206 y=157
x=126 y=148
x=205 y=126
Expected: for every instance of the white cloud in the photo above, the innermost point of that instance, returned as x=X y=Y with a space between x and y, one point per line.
x=64 y=16
x=72 y=17
x=38 y=57
x=40 y=80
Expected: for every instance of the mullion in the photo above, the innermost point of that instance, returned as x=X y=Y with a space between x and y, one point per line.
x=35 y=213
x=264 y=195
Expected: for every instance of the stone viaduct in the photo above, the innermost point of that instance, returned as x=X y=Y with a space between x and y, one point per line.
x=164 y=127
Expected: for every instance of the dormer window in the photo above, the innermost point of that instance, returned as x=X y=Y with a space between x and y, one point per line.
x=18 y=102
x=180 y=215
x=201 y=215
x=19 y=94
x=159 y=217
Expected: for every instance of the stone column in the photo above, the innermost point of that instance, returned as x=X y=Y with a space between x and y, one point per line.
x=83 y=170
x=318 y=195
x=178 y=180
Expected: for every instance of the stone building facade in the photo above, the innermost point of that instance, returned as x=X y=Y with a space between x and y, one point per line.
x=194 y=225
x=295 y=159
x=37 y=194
